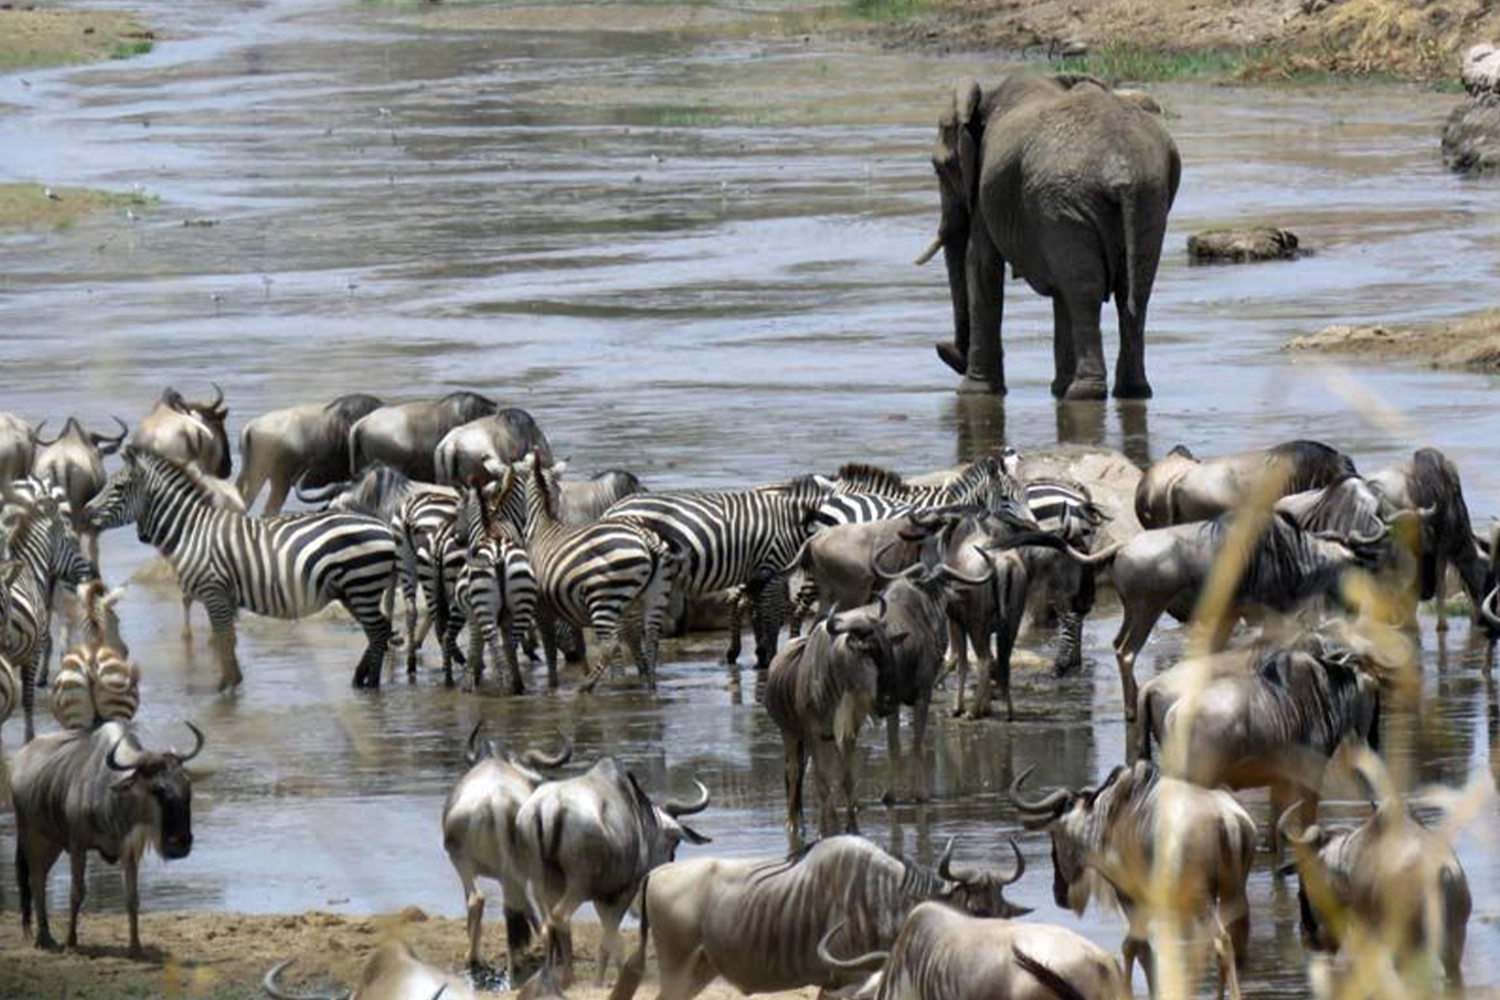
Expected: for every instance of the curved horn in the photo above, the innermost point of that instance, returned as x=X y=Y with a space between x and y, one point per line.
x=829 y=620
x=675 y=809
x=1049 y=803
x=964 y=578
x=864 y=963
x=1487 y=608
x=197 y=744
x=882 y=574
x=945 y=866
x=930 y=252
x=319 y=494
x=1306 y=838
x=114 y=762
x=218 y=396
x=1020 y=864
x=36 y=433
x=113 y=442
x=535 y=758
x=277 y=993
x=471 y=749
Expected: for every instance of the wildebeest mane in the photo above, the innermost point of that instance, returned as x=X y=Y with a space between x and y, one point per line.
x=470 y=405
x=1311 y=464
x=1435 y=483
x=522 y=427
x=1276 y=570
x=331 y=463
x=1347 y=507
x=1323 y=690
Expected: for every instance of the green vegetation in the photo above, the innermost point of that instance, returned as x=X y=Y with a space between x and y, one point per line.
x=889 y=10
x=125 y=50
x=28 y=207
x=1139 y=65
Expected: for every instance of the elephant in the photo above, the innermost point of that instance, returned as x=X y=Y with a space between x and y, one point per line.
x=1069 y=183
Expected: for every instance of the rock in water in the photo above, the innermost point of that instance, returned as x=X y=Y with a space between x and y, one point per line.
x=1241 y=245
x=1471 y=138
x=1481 y=70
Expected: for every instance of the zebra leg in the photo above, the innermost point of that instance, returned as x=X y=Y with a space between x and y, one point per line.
x=377 y=629
x=187 y=618
x=1069 y=643
x=546 y=627
x=607 y=633
x=221 y=616
x=477 y=639
x=511 y=634
x=736 y=625
x=28 y=694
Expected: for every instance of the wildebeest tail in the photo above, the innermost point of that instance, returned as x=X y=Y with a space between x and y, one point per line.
x=635 y=966
x=1143 y=715
x=23 y=881
x=1055 y=984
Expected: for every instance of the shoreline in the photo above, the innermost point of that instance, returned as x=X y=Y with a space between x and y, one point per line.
x=1469 y=343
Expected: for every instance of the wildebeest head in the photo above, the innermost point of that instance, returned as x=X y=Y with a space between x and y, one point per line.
x=667 y=816
x=868 y=636
x=159 y=781
x=1069 y=815
x=212 y=415
x=980 y=893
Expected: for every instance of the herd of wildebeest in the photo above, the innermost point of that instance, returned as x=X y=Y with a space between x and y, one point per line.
x=887 y=586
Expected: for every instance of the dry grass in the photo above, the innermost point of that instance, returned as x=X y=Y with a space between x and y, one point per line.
x=27 y=207
x=51 y=37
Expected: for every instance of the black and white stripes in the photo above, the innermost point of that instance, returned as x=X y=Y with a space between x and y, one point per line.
x=283 y=567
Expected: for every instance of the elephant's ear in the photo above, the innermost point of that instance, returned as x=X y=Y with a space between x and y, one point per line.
x=967 y=97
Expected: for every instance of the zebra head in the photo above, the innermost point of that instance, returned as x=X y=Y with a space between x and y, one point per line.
x=123 y=498
x=41 y=534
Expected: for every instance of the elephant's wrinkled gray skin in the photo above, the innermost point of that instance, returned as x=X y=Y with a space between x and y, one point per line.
x=1073 y=184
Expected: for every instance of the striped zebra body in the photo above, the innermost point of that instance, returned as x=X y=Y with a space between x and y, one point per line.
x=590 y=575
x=38 y=529
x=1066 y=589
x=497 y=594
x=426 y=511
x=282 y=567
x=728 y=541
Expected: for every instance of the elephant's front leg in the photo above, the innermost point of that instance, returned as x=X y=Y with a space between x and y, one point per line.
x=1064 y=358
x=986 y=280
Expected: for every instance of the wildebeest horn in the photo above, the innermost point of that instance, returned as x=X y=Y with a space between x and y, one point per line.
x=930 y=252
x=1487 y=608
x=675 y=809
x=319 y=494
x=864 y=963
x=36 y=435
x=471 y=751
x=118 y=439
x=1355 y=540
x=1051 y=803
x=277 y=993
x=113 y=759
x=1306 y=838
x=882 y=574
x=829 y=619
x=535 y=758
x=218 y=396
x=1020 y=864
x=197 y=745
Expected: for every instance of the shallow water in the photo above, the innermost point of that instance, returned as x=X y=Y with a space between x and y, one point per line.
x=682 y=238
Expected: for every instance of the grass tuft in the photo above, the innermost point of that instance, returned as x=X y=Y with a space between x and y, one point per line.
x=124 y=50
x=889 y=10
x=1134 y=64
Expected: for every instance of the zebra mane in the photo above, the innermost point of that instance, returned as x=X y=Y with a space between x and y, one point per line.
x=973 y=477
x=544 y=489
x=859 y=477
x=172 y=472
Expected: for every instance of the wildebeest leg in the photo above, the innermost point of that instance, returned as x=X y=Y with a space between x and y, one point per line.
x=1135 y=629
x=281 y=485
x=958 y=648
x=846 y=753
x=794 y=764
x=916 y=763
x=78 y=855
x=893 y=756
x=473 y=906
x=611 y=944
x=221 y=616
x=38 y=863
x=560 y=933
x=984 y=673
x=1441 y=593
x=130 y=864
x=823 y=766
x=683 y=977
x=1006 y=628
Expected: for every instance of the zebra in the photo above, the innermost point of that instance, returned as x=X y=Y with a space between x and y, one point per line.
x=730 y=540
x=496 y=590
x=422 y=515
x=590 y=575
x=39 y=535
x=1064 y=589
x=287 y=566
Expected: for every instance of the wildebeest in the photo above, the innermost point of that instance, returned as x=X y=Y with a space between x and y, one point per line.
x=944 y=954
x=757 y=923
x=1182 y=488
x=74 y=460
x=18 y=441
x=1274 y=725
x=405 y=435
x=839 y=559
x=1166 y=569
x=307 y=444
x=393 y=972
x=593 y=839
x=96 y=790
x=471 y=454
x=1122 y=822
x=820 y=689
x=187 y=432
x=479 y=834
x=1391 y=876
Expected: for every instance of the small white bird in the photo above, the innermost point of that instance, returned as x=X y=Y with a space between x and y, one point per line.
x=351 y=285
x=215 y=298
x=51 y=194
x=266 y=281
x=138 y=188
x=130 y=215
x=385 y=112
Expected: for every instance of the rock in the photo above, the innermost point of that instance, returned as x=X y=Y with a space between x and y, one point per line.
x=1471 y=138
x=1481 y=70
x=412 y=915
x=1242 y=245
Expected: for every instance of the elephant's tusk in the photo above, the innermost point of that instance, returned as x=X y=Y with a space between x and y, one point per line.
x=930 y=252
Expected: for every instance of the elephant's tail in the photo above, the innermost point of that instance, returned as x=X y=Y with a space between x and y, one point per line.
x=1144 y=235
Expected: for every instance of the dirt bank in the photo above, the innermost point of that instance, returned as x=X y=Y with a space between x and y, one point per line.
x=1240 y=39
x=223 y=956
x=32 y=37
x=1471 y=343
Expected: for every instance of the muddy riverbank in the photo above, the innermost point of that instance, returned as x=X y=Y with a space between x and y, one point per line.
x=1469 y=343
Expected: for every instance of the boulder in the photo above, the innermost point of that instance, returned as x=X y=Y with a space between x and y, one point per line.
x=1241 y=245
x=1471 y=138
